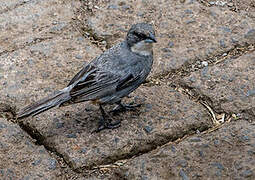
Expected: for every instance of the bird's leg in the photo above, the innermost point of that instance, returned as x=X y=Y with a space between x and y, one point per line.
x=106 y=123
x=124 y=107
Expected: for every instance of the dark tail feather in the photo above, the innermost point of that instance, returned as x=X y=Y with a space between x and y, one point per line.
x=49 y=102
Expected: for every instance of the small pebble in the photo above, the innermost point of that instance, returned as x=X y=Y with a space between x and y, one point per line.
x=54 y=22
x=170 y=44
x=83 y=150
x=244 y=138
x=238 y=165
x=188 y=11
x=226 y=29
x=201 y=153
x=204 y=63
x=250 y=34
x=140 y=14
x=173 y=149
x=165 y=50
x=190 y=21
x=26 y=178
x=113 y=6
x=148 y=107
x=246 y=173
x=192 y=79
x=218 y=165
x=148 y=129
x=205 y=71
x=52 y=164
x=222 y=43
x=183 y=175
x=2 y=125
x=36 y=162
x=251 y=92
x=230 y=4
x=251 y=152
x=78 y=56
x=125 y=7
x=59 y=125
x=71 y=136
x=204 y=146
x=80 y=39
x=116 y=140
x=216 y=142
x=182 y=163
x=30 y=62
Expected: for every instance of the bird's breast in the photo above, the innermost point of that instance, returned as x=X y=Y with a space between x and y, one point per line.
x=142 y=48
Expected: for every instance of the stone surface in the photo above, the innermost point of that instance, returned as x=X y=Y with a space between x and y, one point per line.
x=38 y=61
x=21 y=158
x=223 y=154
x=245 y=7
x=230 y=85
x=44 y=43
x=30 y=22
x=43 y=67
x=187 y=31
x=165 y=115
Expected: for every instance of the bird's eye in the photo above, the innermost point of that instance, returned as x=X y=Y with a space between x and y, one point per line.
x=140 y=35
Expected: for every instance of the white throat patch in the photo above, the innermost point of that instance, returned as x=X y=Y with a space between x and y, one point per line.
x=142 y=48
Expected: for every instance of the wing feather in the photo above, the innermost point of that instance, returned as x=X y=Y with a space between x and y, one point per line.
x=92 y=82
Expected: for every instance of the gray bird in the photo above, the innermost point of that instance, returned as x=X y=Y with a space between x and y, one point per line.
x=108 y=78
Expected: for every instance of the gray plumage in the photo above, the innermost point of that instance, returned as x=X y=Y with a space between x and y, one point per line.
x=109 y=77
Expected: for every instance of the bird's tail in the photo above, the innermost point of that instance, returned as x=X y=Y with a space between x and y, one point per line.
x=55 y=99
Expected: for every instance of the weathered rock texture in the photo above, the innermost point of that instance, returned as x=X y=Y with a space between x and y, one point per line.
x=203 y=71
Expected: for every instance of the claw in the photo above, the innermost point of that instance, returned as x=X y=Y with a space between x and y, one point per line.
x=106 y=123
x=103 y=124
x=124 y=107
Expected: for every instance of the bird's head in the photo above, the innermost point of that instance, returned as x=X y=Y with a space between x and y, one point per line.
x=140 y=38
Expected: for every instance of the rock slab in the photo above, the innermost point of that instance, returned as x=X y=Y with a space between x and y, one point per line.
x=223 y=154
x=229 y=86
x=21 y=158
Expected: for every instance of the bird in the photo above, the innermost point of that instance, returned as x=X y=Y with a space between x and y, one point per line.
x=108 y=78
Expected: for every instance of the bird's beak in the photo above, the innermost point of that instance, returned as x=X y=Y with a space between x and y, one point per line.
x=151 y=39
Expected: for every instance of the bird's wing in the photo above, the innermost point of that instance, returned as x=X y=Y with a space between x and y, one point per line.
x=82 y=74
x=129 y=80
x=92 y=82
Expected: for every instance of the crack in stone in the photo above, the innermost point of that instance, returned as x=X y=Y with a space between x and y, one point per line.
x=150 y=146
x=81 y=24
x=198 y=96
x=7 y=110
x=40 y=140
x=136 y=151
x=88 y=32
x=162 y=78
x=187 y=69
x=194 y=95
x=176 y=139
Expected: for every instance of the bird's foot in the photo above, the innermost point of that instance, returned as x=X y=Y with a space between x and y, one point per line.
x=107 y=124
x=125 y=107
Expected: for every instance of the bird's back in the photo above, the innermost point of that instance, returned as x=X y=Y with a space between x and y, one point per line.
x=104 y=78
